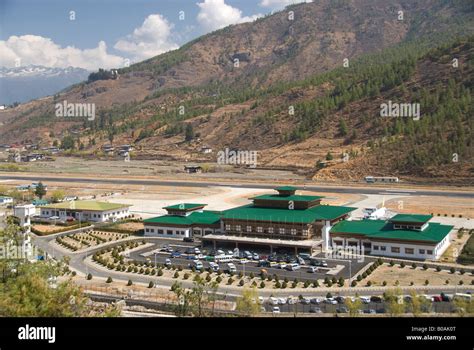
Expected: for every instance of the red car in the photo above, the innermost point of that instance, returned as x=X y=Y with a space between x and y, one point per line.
x=437 y=299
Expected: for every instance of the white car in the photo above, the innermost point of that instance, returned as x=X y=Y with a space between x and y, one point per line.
x=292 y=301
x=313 y=269
x=243 y=261
x=282 y=266
x=282 y=301
x=273 y=301
x=331 y=301
x=276 y=310
x=365 y=300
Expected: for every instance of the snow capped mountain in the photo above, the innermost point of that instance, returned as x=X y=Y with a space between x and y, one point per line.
x=21 y=84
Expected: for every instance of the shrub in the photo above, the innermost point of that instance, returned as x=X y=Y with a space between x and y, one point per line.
x=231 y=280
x=446 y=282
x=425 y=267
x=452 y=270
x=427 y=282
x=306 y=284
x=208 y=278
x=241 y=283
x=176 y=274
x=89 y=276
x=369 y=283
x=402 y=265
x=384 y=283
x=353 y=283
x=412 y=283
x=160 y=272
x=284 y=284
x=251 y=275
x=262 y=284
x=438 y=268
x=277 y=284
x=315 y=284
x=461 y=282
x=391 y=263
x=359 y=278
x=329 y=295
x=219 y=279
x=462 y=271
x=151 y=284
x=109 y=280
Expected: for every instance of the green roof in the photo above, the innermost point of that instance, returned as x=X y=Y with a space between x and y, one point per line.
x=204 y=218
x=87 y=205
x=185 y=206
x=382 y=229
x=294 y=198
x=416 y=218
x=321 y=212
x=286 y=188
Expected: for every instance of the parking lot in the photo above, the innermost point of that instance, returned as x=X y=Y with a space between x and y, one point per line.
x=182 y=254
x=321 y=305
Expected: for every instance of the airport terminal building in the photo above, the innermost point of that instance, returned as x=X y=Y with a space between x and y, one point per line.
x=300 y=222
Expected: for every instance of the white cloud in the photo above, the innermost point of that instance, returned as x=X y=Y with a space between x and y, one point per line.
x=152 y=38
x=37 y=50
x=279 y=4
x=216 y=14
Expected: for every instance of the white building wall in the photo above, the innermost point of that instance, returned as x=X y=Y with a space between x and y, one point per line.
x=94 y=216
x=437 y=250
x=169 y=232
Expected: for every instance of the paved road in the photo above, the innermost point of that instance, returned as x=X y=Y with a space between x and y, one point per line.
x=394 y=189
x=77 y=263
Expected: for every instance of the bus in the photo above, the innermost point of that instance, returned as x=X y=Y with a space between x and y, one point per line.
x=381 y=179
x=223 y=258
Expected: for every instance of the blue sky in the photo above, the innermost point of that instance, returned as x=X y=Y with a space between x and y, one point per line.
x=104 y=33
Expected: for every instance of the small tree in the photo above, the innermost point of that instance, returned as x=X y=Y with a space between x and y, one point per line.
x=40 y=190
x=109 y=280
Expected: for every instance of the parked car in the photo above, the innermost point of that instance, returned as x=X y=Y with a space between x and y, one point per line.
x=282 y=301
x=188 y=239
x=316 y=300
x=375 y=299
x=168 y=262
x=444 y=297
x=437 y=299
x=281 y=266
x=276 y=310
x=365 y=300
x=293 y=267
x=231 y=267
x=197 y=265
x=255 y=256
x=342 y=310
x=315 y=310
x=331 y=301
x=244 y=261
x=313 y=269
x=175 y=254
x=292 y=301
x=273 y=301
x=340 y=299
x=305 y=301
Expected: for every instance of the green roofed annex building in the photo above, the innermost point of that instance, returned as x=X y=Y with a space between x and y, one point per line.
x=183 y=220
x=86 y=211
x=408 y=236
